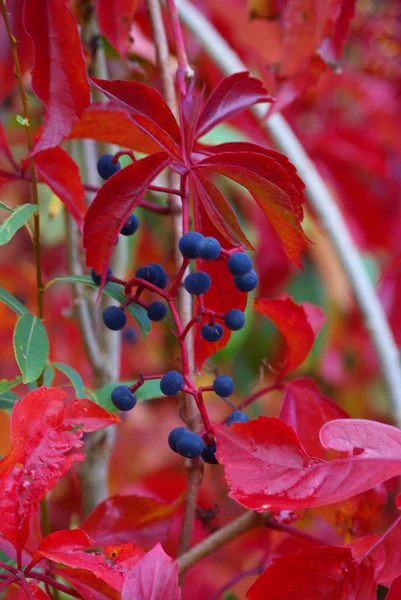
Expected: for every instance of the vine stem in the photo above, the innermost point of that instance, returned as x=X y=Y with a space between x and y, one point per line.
x=34 y=178
x=180 y=224
x=323 y=203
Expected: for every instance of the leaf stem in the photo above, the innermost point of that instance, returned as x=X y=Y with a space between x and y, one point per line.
x=185 y=73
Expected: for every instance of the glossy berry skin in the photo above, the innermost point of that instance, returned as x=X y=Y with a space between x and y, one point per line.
x=97 y=278
x=208 y=455
x=239 y=264
x=114 y=318
x=157 y=311
x=130 y=226
x=190 y=445
x=197 y=283
x=123 y=398
x=189 y=244
x=174 y=436
x=148 y=273
x=246 y=283
x=237 y=417
x=223 y=386
x=171 y=383
x=209 y=248
x=212 y=333
x=234 y=319
x=105 y=166
x=162 y=275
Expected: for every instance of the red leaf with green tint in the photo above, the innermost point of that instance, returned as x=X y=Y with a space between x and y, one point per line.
x=233 y=95
x=148 y=109
x=115 y=19
x=155 y=577
x=59 y=61
x=45 y=433
x=115 y=201
x=298 y=323
x=121 y=519
x=307 y=410
x=108 y=123
x=267 y=467
x=56 y=168
x=271 y=186
x=324 y=573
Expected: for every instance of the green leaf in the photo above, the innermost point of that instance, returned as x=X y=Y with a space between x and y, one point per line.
x=48 y=376
x=31 y=346
x=6 y=385
x=149 y=390
x=18 y=219
x=113 y=291
x=12 y=302
x=5 y=207
x=74 y=377
x=7 y=400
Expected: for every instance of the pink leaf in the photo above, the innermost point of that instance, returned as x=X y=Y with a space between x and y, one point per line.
x=298 y=323
x=267 y=467
x=115 y=201
x=115 y=19
x=59 y=61
x=56 y=168
x=307 y=410
x=317 y=574
x=155 y=577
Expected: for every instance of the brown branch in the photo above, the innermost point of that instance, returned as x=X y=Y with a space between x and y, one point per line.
x=242 y=524
x=27 y=125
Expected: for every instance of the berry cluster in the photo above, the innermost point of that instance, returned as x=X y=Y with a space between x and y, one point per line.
x=153 y=277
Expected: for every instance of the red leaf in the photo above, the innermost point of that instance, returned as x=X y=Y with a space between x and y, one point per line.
x=108 y=123
x=115 y=19
x=56 y=168
x=298 y=323
x=59 y=61
x=394 y=592
x=149 y=111
x=115 y=201
x=272 y=188
x=233 y=95
x=321 y=573
x=331 y=47
x=300 y=35
x=88 y=585
x=267 y=467
x=385 y=554
x=35 y=593
x=44 y=432
x=121 y=519
x=4 y=147
x=66 y=547
x=307 y=410
x=15 y=9
x=153 y=578
x=218 y=210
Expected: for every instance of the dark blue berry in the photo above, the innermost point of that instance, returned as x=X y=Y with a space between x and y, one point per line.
x=212 y=333
x=209 y=248
x=223 y=385
x=174 y=436
x=130 y=226
x=189 y=244
x=148 y=273
x=237 y=417
x=190 y=445
x=162 y=275
x=239 y=264
x=114 y=318
x=209 y=456
x=246 y=283
x=234 y=319
x=130 y=335
x=171 y=383
x=97 y=278
x=197 y=283
x=157 y=311
x=123 y=398
x=106 y=167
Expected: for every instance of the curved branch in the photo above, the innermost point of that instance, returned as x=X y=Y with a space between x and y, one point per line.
x=323 y=204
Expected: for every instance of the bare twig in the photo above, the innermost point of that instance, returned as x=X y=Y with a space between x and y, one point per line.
x=190 y=411
x=323 y=204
